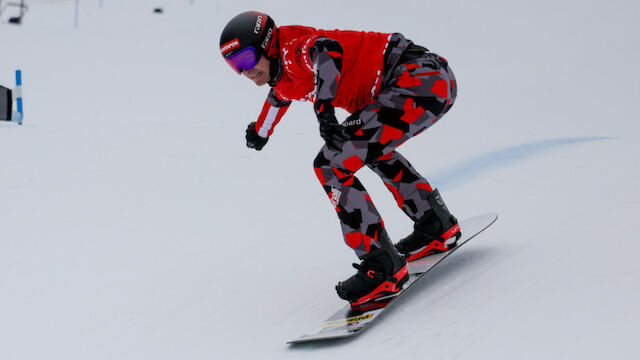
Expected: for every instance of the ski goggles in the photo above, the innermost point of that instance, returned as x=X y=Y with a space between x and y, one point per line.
x=245 y=59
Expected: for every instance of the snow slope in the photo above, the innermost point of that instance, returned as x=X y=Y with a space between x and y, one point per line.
x=134 y=223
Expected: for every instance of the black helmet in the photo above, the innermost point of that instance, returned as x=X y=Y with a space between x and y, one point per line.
x=251 y=30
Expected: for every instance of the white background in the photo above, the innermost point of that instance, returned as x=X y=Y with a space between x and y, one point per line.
x=135 y=224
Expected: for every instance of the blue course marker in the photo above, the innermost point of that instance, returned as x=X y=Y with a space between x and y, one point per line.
x=18 y=92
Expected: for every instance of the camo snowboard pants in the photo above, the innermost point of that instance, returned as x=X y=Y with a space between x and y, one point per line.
x=418 y=93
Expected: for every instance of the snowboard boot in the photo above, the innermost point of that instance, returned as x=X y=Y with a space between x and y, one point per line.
x=381 y=273
x=435 y=232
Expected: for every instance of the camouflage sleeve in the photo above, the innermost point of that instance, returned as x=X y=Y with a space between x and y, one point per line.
x=273 y=100
x=271 y=113
x=326 y=56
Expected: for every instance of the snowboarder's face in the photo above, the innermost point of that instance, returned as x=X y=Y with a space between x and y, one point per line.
x=260 y=73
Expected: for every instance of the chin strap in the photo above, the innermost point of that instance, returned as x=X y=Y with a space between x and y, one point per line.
x=275 y=70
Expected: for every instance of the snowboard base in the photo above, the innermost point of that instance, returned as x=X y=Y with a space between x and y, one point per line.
x=348 y=322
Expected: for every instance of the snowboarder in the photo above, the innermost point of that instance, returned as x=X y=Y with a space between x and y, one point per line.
x=394 y=90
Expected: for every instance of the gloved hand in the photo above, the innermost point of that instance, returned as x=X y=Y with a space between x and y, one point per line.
x=255 y=141
x=331 y=131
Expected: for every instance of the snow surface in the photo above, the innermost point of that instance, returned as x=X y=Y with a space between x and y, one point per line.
x=135 y=224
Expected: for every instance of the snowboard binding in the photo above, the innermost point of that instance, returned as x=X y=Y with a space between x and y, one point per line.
x=381 y=275
x=437 y=231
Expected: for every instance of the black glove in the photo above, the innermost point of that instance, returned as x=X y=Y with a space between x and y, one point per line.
x=254 y=140
x=332 y=132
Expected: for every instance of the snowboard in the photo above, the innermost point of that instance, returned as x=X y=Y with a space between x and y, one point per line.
x=348 y=322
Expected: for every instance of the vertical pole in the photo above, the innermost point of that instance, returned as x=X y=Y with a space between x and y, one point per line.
x=21 y=9
x=18 y=91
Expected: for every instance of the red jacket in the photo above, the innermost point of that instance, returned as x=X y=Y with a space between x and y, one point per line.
x=359 y=82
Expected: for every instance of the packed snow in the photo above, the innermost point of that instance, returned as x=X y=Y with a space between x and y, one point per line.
x=135 y=224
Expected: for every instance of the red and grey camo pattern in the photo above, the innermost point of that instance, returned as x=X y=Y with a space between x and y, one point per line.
x=416 y=94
